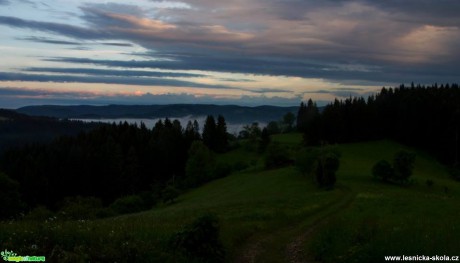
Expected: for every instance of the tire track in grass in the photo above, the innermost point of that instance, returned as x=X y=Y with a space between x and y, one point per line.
x=257 y=245
x=295 y=250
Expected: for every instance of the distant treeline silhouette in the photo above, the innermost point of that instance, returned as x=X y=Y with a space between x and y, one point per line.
x=425 y=117
x=18 y=129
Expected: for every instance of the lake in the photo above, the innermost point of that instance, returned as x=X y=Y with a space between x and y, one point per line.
x=233 y=128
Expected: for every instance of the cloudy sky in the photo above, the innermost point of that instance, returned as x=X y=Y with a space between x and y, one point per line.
x=226 y=52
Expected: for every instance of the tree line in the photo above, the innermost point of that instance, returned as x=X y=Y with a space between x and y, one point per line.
x=425 y=117
x=17 y=129
x=111 y=161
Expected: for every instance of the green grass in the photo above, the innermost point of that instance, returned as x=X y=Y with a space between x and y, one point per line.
x=241 y=157
x=263 y=211
x=390 y=219
x=290 y=139
x=248 y=203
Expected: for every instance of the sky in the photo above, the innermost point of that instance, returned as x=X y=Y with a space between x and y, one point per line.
x=257 y=52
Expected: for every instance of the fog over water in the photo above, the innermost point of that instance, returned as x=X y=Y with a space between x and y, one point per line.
x=233 y=128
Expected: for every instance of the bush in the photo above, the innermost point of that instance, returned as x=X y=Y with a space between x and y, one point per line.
x=10 y=198
x=149 y=198
x=40 y=213
x=273 y=128
x=382 y=170
x=455 y=172
x=276 y=156
x=200 y=165
x=200 y=240
x=320 y=163
x=327 y=165
x=429 y=183
x=128 y=204
x=264 y=140
x=222 y=170
x=240 y=165
x=403 y=164
x=305 y=160
x=169 y=194
x=81 y=208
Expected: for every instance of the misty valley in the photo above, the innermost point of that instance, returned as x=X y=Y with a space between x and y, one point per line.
x=232 y=128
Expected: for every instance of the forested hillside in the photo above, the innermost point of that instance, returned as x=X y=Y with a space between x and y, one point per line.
x=111 y=161
x=426 y=117
x=19 y=129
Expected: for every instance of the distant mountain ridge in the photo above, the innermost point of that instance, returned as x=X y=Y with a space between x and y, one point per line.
x=232 y=113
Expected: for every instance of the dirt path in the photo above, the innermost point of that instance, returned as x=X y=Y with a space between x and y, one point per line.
x=294 y=251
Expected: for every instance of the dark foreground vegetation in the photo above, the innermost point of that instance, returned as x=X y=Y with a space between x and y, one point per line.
x=278 y=198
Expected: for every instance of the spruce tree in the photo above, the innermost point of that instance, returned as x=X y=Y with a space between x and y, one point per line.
x=209 y=132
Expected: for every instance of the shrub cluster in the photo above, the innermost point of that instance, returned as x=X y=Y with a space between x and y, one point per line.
x=321 y=163
x=200 y=240
x=276 y=156
x=399 y=172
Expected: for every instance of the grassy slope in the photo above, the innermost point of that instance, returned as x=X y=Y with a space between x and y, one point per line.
x=389 y=219
x=262 y=212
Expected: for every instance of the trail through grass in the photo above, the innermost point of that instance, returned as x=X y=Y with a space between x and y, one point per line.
x=385 y=219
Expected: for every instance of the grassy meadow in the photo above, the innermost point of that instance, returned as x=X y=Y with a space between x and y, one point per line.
x=275 y=215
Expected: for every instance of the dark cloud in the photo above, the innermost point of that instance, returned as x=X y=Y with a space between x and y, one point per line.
x=385 y=75
x=49 y=41
x=147 y=32
x=117 y=44
x=321 y=91
x=4 y=91
x=237 y=80
x=356 y=31
x=110 y=72
x=4 y=2
x=268 y=90
x=80 y=48
x=223 y=64
x=62 y=29
x=6 y=76
x=443 y=13
x=97 y=13
x=119 y=77
x=348 y=89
